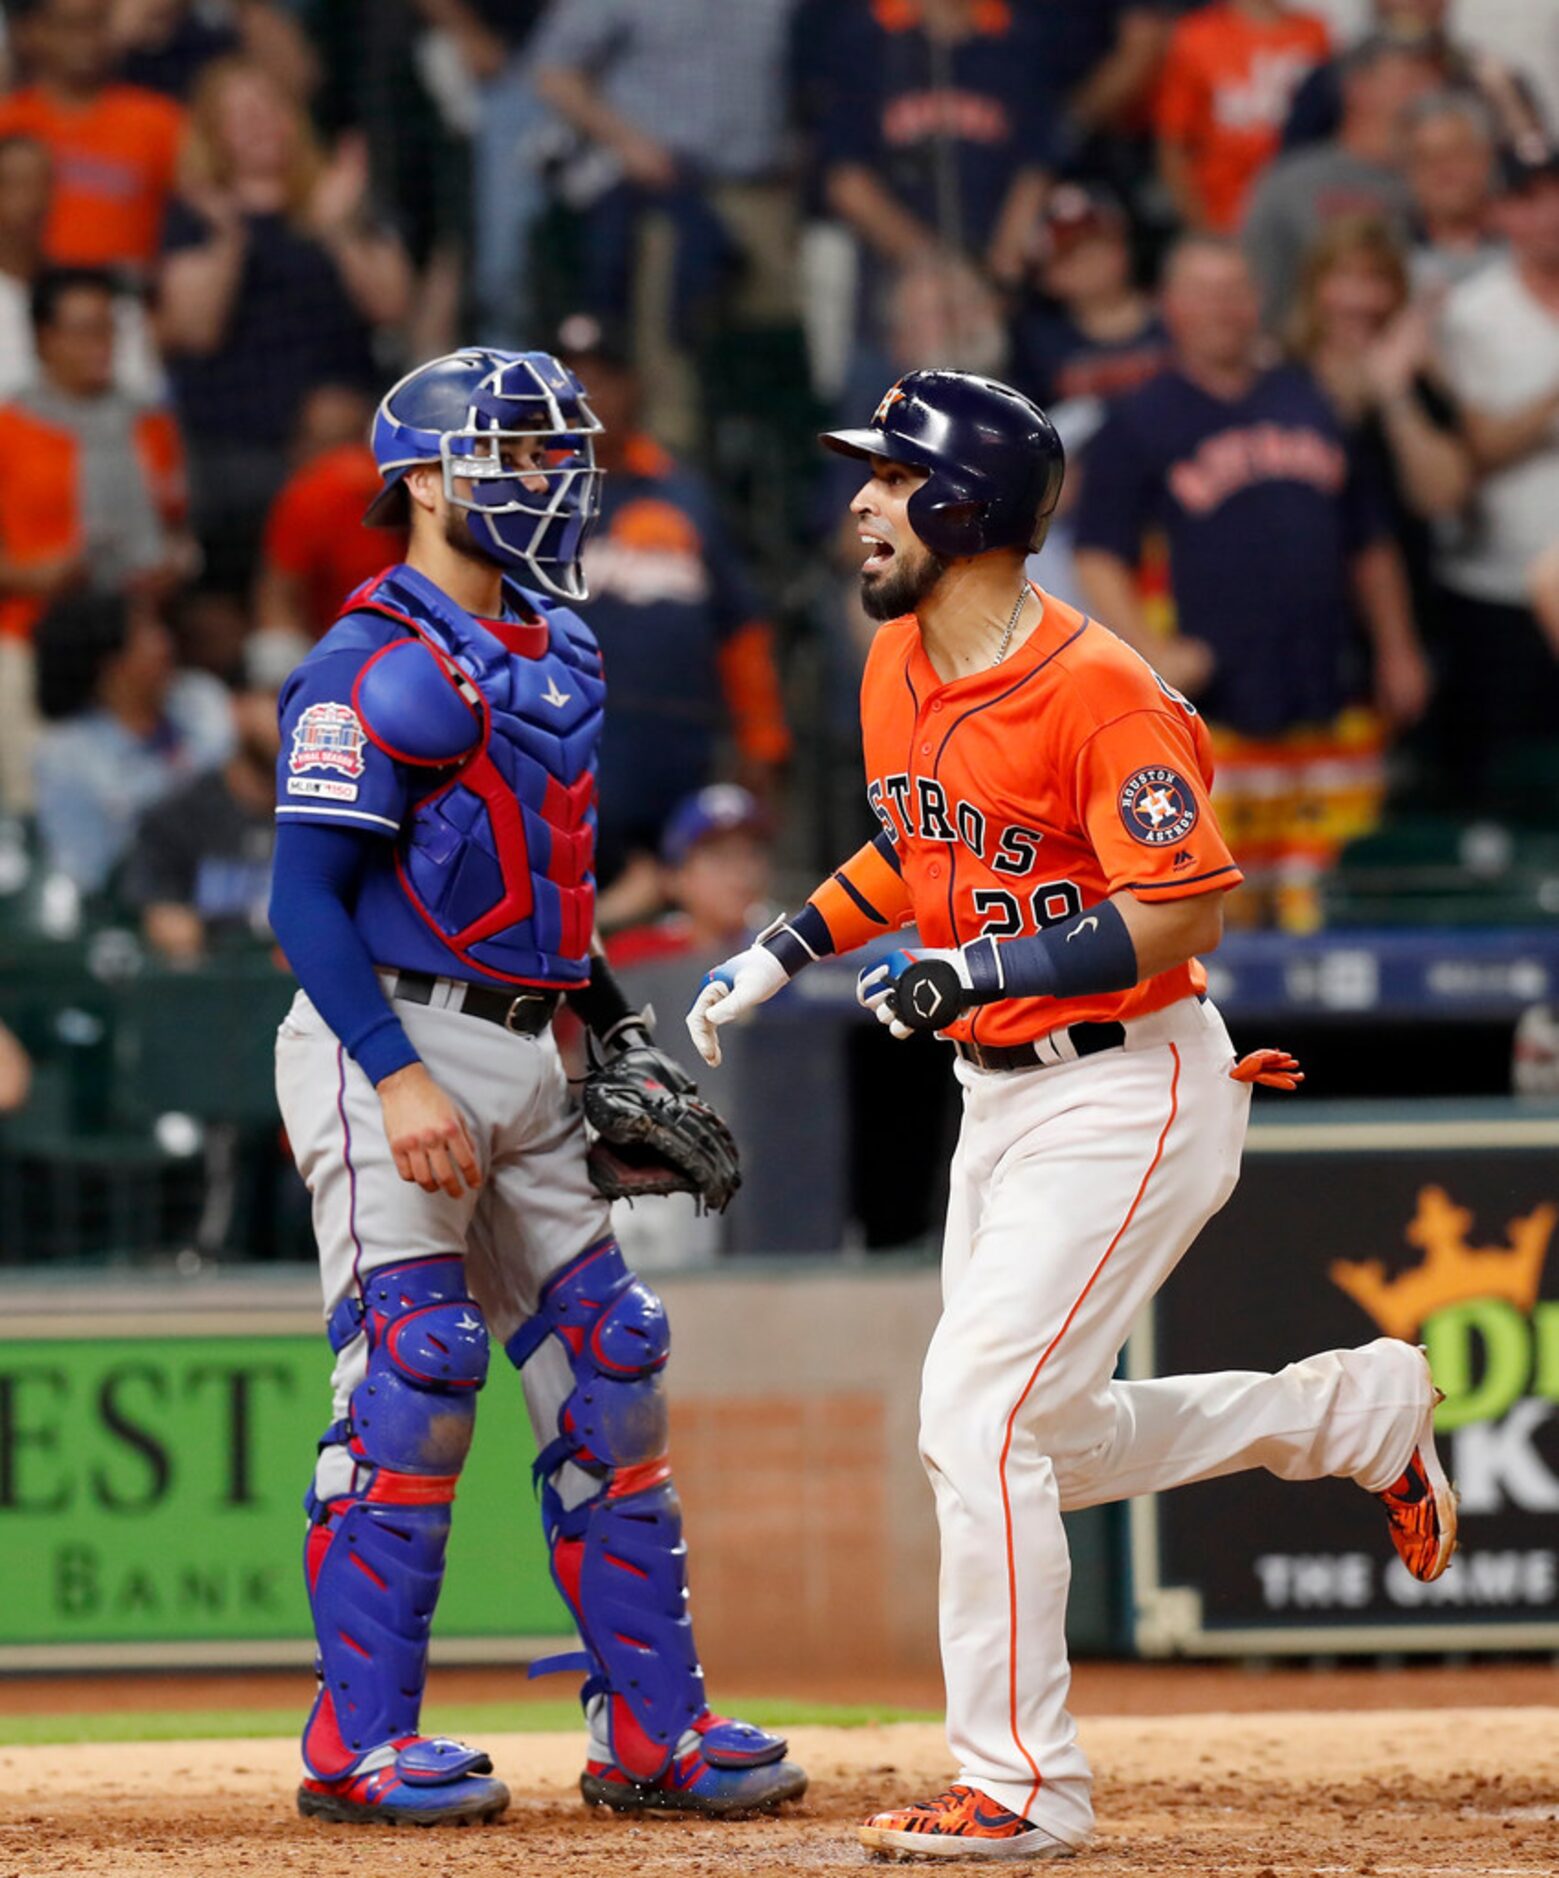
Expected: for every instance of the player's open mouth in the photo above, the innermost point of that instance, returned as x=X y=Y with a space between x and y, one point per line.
x=878 y=554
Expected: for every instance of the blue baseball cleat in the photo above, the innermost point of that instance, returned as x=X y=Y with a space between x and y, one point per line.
x=722 y=1769
x=417 y=1781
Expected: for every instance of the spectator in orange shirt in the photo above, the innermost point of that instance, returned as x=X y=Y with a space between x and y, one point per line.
x=1231 y=71
x=115 y=147
x=26 y=191
x=316 y=549
x=91 y=491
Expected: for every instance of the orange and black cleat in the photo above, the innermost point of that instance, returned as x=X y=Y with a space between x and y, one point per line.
x=961 y=1823
x=1421 y=1506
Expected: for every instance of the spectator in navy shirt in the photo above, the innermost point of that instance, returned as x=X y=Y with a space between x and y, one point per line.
x=1096 y=334
x=1275 y=545
x=687 y=648
x=1099 y=61
x=938 y=129
x=274 y=280
x=199 y=870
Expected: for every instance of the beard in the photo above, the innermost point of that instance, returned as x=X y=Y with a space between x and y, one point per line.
x=902 y=587
x=457 y=535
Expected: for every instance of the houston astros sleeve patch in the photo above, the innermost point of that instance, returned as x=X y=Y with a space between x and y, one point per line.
x=1157 y=806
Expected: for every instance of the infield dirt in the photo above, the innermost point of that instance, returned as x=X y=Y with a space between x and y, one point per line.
x=1405 y=1793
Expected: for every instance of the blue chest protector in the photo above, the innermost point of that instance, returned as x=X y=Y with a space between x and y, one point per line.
x=497 y=852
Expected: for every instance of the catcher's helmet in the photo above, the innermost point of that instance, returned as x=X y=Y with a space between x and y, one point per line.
x=996 y=462
x=460 y=411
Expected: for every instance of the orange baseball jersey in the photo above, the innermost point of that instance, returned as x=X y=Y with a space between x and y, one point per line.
x=40 y=495
x=1020 y=796
x=1224 y=96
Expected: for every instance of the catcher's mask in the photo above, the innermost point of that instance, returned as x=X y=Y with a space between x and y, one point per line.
x=473 y=412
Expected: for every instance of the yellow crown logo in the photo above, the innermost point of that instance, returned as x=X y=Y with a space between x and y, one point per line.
x=1452 y=1270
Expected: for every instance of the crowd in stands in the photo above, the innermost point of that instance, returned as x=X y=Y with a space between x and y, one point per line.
x=1286 y=276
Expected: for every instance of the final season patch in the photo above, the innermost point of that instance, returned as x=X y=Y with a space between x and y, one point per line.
x=328 y=736
x=1157 y=806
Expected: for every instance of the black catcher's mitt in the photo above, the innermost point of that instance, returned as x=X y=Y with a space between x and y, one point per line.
x=654 y=1135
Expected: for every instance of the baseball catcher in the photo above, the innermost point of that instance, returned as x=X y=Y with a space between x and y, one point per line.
x=434 y=893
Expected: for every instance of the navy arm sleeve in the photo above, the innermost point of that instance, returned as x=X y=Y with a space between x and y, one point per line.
x=314 y=883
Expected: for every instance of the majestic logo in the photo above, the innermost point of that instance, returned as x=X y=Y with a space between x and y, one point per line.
x=557 y=699
x=889 y=399
x=328 y=736
x=1157 y=806
x=1453 y=1271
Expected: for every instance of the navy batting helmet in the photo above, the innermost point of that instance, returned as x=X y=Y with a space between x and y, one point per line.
x=995 y=461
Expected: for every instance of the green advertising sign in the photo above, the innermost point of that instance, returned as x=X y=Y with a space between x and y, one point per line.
x=150 y=1491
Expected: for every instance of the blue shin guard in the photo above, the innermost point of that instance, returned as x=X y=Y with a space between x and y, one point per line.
x=374 y=1553
x=619 y=1560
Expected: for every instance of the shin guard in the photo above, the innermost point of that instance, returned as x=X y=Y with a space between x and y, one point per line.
x=617 y=1554
x=379 y=1506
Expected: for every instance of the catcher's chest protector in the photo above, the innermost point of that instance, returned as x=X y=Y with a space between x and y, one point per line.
x=497 y=854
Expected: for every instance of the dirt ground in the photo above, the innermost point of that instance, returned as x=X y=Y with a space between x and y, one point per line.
x=1444 y=1792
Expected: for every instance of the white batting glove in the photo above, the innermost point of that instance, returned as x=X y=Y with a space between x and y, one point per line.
x=735 y=987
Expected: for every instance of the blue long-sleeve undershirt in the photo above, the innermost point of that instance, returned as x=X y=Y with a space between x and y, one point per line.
x=314 y=887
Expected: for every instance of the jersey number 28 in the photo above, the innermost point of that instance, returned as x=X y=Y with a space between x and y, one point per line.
x=1001 y=912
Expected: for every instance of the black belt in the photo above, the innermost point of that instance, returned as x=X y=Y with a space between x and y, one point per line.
x=1086 y=1040
x=526 y=1013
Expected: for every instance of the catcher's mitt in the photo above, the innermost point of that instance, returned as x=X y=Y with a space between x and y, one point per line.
x=653 y=1133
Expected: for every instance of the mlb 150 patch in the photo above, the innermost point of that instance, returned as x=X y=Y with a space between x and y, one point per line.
x=328 y=736
x=1157 y=806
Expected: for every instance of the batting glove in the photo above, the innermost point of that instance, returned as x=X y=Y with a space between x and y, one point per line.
x=928 y=990
x=731 y=990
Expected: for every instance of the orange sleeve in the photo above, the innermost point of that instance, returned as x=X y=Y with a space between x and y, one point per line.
x=750 y=681
x=864 y=898
x=162 y=455
x=1142 y=795
x=1180 y=111
x=288 y=534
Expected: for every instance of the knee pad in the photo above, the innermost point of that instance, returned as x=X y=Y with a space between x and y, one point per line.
x=415 y=1408
x=615 y=1330
x=379 y=1505
x=618 y=1559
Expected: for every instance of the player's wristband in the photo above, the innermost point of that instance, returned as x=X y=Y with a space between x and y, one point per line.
x=602 y=1005
x=799 y=941
x=1079 y=958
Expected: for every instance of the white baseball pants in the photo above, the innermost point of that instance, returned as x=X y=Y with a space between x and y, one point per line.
x=1075 y=1191
x=534 y=1211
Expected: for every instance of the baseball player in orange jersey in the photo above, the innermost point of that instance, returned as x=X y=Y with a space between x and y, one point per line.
x=1046 y=825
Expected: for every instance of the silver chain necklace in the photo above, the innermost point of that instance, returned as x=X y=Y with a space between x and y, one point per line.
x=1012 y=624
